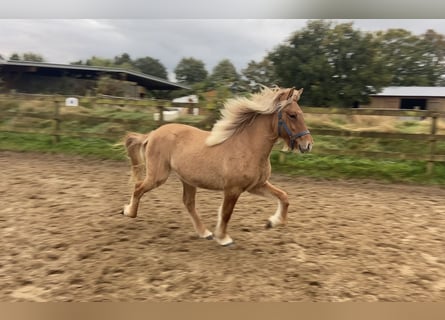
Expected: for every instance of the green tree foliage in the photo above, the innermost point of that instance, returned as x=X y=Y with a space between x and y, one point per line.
x=412 y=60
x=356 y=69
x=260 y=73
x=27 y=56
x=145 y=65
x=435 y=49
x=122 y=59
x=224 y=74
x=190 y=71
x=337 y=64
x=15 y=57
x=151 y=66
x=99 y=62
x=124 y=62
x=301 y=62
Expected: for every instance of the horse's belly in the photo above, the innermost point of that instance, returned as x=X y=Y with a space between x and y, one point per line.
x=202 y=180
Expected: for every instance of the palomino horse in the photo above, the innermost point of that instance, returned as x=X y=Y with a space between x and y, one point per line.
x=233 y=157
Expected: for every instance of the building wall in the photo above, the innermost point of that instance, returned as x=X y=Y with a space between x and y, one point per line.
x=384 y=103
x=436 y=104
x=433 y=104
x=40 y=84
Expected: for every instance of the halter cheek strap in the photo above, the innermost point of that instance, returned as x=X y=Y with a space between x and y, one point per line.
x=292 y=137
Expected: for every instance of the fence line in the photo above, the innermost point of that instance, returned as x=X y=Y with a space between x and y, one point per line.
x=58 y=118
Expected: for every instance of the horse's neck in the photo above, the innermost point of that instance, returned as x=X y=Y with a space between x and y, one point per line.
x=261 y=135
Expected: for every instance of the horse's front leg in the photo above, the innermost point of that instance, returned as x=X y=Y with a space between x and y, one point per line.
x=224 y=214
x=280 y=216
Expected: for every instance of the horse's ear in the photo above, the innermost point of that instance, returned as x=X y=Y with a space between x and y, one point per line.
x=290 y=93
x=300 y=92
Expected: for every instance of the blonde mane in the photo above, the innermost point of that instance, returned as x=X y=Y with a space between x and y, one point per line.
x=240 y=112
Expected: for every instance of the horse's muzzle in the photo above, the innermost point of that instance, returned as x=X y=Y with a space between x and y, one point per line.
x=305 y=148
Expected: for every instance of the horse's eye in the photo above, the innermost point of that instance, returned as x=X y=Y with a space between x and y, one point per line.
x=293 y=116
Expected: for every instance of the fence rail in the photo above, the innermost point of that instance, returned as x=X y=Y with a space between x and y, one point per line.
x=58 y=118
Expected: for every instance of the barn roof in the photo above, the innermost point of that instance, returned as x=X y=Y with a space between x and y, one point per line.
x=425 y=92
x=142 y=79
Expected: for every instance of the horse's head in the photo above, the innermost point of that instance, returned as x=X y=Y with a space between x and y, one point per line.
x=291 y=125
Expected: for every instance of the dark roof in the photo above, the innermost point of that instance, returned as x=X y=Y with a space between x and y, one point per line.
x=92 y=72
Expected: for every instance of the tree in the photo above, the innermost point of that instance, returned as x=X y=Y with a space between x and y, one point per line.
x=190 y=71
x=224 y=73
x=99 y=62
x=356 y=67
x=27 y=56
x=336 y=64
x=412 y=60
x=301 y=62
x=30 y=56
x=151 y=66
x=15 y=57
x=260 y=73
x=122 y=59
x=435 y=50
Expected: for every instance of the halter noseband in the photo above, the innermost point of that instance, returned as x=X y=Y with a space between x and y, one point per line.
x=282 y=124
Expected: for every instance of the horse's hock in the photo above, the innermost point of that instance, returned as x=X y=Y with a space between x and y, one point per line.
x=63 y=239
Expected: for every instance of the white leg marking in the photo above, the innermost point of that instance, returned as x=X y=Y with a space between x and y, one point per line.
x=218 y=223
x=225 y=241
x=207 y=234
x=277 y=219
x=126 y=210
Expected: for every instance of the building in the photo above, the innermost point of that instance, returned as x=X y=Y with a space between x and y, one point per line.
x=422 y=98
x=49 y=78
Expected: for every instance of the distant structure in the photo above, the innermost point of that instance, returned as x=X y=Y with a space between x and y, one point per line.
x=421 y=98
x=50 y=78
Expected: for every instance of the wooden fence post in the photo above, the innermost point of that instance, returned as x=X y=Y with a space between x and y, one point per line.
x=430 y=165
x=161 y=115
x=56 y=122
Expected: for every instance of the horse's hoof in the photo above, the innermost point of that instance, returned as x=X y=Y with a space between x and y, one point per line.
x=121 y=212
x=230 y=244
x=268 y=225
x=209 y=237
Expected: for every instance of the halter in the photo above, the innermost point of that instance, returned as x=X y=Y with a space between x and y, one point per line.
x=282 y=124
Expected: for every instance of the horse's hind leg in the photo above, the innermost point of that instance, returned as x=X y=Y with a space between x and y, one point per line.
x=280 y=216
x=154 y=178
x=188 y=197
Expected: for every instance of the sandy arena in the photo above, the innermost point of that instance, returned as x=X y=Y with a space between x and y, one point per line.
x=63 y=239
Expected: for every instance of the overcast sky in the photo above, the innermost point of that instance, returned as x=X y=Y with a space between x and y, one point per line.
x=169 y=40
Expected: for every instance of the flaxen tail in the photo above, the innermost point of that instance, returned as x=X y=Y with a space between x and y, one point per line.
x=135 y=144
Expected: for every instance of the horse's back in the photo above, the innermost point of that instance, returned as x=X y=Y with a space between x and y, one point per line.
x=184 y=148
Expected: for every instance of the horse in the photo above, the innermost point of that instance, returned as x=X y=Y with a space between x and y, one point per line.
x=234 y=157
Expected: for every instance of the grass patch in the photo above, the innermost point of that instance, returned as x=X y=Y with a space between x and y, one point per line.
x=88 y=147
x=309 y=165
x=346 y=167
x=140 y=119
